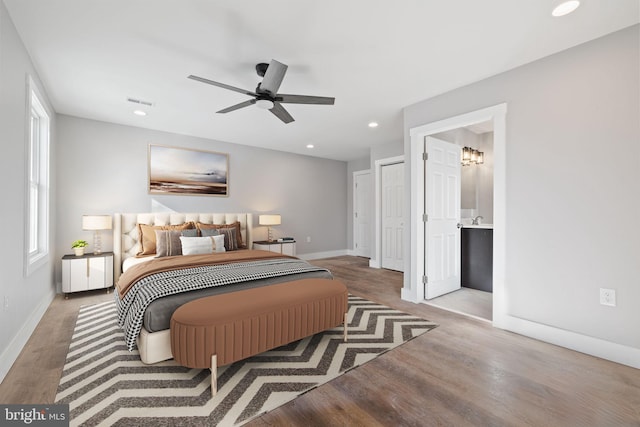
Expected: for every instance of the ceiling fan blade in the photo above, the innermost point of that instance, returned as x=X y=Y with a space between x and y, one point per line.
x=237 y=106
x=273 y=77
x=304 y=99
x=222 y=85
x=279 y=111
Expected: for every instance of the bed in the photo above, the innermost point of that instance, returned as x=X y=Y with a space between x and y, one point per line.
x=149 y=288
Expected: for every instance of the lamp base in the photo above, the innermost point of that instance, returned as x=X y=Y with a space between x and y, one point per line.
x=97 y=243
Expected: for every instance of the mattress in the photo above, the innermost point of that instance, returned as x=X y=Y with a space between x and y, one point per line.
x=158 y=314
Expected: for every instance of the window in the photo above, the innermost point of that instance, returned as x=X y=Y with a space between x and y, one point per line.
x=37 y=229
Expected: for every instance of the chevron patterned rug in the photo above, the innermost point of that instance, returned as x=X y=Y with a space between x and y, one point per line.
x=104 y=384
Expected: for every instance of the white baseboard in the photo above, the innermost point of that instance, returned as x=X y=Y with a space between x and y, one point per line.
x=407 y=295
x=11 y=353
x=373 y=263
x=597 y=347
x=320 y=255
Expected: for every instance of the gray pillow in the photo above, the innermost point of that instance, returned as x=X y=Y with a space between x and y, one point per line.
x=191 y=232
x=168 y=242
x=230 y=238
x=207 y=232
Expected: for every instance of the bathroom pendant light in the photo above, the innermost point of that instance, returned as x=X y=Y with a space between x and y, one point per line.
x=564 y=7
x=471 y=156
x=466 y=154
x=474 y=156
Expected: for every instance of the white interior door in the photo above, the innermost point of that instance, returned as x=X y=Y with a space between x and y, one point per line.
x=442 y=235
x=361 y=214
x=392 y=186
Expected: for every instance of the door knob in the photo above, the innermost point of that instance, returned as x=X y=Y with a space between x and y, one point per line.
x=459 y=225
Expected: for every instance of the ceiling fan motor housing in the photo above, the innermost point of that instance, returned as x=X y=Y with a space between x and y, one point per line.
x=264 y=94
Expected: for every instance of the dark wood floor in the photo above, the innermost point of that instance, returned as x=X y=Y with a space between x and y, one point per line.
x=463 y=373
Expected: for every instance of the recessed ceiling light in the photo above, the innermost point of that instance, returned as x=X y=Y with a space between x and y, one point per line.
x=309 y=145
x=373 y=124
x=564 y=7
x=139 y=113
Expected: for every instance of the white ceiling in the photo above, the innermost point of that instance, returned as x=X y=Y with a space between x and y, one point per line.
x=375 y=57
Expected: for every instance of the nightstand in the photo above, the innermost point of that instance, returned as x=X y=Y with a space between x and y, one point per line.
x=86 y=272
x=286 y=248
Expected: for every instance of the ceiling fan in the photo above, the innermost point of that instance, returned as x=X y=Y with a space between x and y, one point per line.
x=266 y=95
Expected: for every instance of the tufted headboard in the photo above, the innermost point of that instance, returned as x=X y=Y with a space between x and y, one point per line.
x=125 y=231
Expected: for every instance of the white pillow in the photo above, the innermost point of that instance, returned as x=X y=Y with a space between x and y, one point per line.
x=218 y=242
x=202 y=245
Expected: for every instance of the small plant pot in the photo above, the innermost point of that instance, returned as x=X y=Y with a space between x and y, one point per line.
x=79 y=251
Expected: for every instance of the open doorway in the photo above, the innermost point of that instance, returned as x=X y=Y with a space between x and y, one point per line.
x=474 y=256
x=417 y=277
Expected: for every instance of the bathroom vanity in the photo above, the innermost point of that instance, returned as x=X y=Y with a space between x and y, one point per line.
x=477 y=257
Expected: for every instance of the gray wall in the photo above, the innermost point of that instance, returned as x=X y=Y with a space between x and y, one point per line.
x=102 y=168
x=572 y=183
x=484 y=179
x=27 y=297
x=386 y=151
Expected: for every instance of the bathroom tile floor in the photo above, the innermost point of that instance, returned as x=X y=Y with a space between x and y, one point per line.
x=467 y=301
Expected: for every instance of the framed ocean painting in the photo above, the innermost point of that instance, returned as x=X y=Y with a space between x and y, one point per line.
x=187 y=172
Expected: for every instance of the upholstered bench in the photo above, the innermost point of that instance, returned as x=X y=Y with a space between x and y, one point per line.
x=222 y=329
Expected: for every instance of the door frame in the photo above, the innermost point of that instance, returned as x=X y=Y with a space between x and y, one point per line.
x=355 y=231
x=413 y=289
x=376 y=256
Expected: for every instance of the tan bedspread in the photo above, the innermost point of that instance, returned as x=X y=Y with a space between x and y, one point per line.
x=158 y=265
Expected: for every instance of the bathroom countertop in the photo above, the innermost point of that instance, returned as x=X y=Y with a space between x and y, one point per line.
x=485 y=226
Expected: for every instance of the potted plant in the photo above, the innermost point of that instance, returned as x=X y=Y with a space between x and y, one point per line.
x=78 y=247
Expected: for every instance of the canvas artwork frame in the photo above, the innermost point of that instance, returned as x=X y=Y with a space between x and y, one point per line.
x=186 y=171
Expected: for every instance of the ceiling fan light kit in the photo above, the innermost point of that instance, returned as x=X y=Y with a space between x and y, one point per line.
x=266 y=95
x=265 y=104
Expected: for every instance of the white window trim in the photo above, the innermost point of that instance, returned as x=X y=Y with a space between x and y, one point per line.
x=34 y=259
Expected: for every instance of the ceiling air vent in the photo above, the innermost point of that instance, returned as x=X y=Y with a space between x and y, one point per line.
x=138 y=101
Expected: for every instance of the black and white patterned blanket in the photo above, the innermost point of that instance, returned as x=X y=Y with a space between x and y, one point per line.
x=131 y=308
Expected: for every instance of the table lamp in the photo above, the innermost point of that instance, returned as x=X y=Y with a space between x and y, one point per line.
x=269 y=220
x=96 y=223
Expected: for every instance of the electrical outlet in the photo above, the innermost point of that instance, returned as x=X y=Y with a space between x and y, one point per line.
x=608 y=297
x=308 y=239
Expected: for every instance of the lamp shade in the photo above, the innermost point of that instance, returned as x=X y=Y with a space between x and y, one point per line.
x=269 y=220
x=96 y=222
